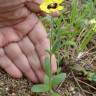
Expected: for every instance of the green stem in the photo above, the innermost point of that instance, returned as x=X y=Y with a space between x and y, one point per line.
x=50 y=83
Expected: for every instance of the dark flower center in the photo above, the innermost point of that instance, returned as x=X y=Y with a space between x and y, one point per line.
x=52 y=6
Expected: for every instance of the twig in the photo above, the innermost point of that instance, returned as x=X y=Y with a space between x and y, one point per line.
x=91 y=49
x=80 y=35
x=78 y=84
x=86 y=84
x=87 y=92
x=59 y=85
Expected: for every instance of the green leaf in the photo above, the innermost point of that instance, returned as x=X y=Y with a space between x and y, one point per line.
x=46 y=80
x=58 y=79
x=55 y=94
x=70 y=43
x=59 y=70
x=92 y=76
x=74 y=10
x=77 y=67
x=40 y=88
x=86 y=40
x=47 y=66
x=55 y=46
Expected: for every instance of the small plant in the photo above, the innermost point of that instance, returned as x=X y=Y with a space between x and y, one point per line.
x=50 y=81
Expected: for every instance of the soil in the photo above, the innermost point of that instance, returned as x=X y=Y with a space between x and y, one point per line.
x=13 y=87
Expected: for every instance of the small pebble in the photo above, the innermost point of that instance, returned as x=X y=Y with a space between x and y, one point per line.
x=71 y=88
x=74 y=92
x=13 y=94
x=7 y=89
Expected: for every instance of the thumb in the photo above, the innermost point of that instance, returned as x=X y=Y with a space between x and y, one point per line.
x=34 y=5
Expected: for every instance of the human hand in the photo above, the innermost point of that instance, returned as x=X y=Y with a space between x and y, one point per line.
x=23 y=48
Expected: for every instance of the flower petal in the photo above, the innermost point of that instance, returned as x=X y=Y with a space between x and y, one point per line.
x=43 y=7
x=57 y=1
x=60 y=8
x=48 y=1
x=52 y=10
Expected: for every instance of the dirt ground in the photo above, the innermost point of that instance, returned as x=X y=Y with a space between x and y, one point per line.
x=13 y=87
x=22 y=87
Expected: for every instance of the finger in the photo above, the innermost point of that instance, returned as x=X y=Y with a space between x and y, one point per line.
x=18 y=32
x=40 y=39
x=27 y=25
x=13 y=51
x=53 y=63
x=6 y=3
x=29 y=50
x=38 y=1
x=34 y=7
x=7 y=35
x=14 y=17
x=8 y=66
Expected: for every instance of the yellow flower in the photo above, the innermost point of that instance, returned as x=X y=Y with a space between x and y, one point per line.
x=50 y=6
